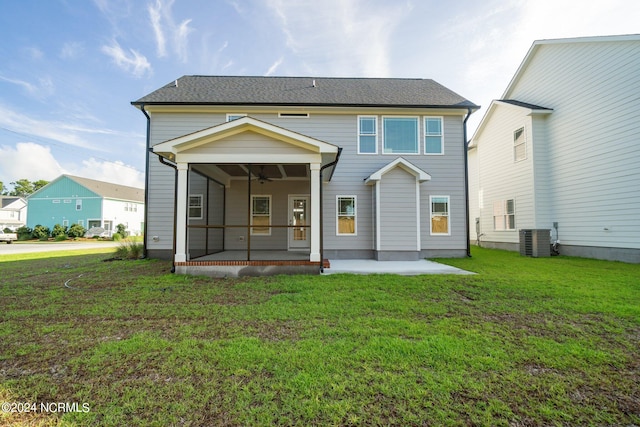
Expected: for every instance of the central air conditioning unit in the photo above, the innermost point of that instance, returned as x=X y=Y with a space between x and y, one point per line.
x=535 y=243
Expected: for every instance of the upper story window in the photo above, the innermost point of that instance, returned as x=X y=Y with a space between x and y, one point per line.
x=433 y=138
x=400 y=135
x=519 y=145
x=367 y=135
x=79 y=204
x=235 y=116
x=504 y=215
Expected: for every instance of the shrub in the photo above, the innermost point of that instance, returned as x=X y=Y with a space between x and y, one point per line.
x=76 y=230
x=61 y=237
x=41 y=232
x=24 y=233
x=116 y=237
x=8 y=230
x=121 y=229
x=129 y=249
x=59 y=230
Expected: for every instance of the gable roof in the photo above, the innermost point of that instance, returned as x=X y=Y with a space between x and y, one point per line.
x=538 y=43
x=101 y=188
x=401 y=163
x=305 y=91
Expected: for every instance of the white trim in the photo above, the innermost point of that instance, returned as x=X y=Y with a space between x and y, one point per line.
x=268 y=196
x=402 y=163
x=355 y=214
x=418 y=218
x=290 y=198
x=375 y=135
x=448 y=233
x=378 y=241
x=181 y=213
x=417 y=153
x=424 y=134
x=314 y=253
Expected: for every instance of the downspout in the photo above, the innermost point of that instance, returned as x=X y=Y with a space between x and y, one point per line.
x=146 y=183
x=175 y=210
x=322 y=210
x=466 y=178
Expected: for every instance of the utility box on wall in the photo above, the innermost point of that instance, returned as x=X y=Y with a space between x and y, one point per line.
x=535 y=243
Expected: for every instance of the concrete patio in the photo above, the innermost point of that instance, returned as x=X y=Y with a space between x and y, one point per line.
x=405 y=268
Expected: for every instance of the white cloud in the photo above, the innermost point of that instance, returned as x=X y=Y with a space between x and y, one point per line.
x=132 y=62
x=163 y=22
x=28 y=160
x=274 y=67
x=71 y=50
x=41 y=90
x=341 y=36
x=116 y=172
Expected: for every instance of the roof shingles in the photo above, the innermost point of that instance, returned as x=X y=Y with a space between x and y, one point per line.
x=301 y=91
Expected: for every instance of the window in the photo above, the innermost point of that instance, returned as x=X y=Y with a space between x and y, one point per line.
x=67 y=201
x=81 y=222
x=79 y=204
x=504 y=215
x=433 y=141
x=367 y=135
x=346 y=218
x=519 y=145
x=439 y=215
x=235 y=116
x=195 y=206
x=261 y=215
x=56 y=201
x=65 y=222
x=400 y=135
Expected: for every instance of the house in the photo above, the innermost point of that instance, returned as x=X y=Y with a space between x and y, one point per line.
x=71 y=200
x=261 y=175
x=558 y=151
x=13 y=212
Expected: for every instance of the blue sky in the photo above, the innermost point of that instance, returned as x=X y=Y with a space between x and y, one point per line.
x=70 y=68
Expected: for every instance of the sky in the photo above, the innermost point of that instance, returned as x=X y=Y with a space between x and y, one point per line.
x=69 y=69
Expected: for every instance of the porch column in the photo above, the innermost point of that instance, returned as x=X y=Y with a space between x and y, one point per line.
x=315 y=212
x=181 y=213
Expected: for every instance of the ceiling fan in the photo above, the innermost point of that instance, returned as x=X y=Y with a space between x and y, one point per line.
x=261 y=177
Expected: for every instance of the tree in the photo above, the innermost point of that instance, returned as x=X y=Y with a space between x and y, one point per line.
x=39 y=184
x=23 y=187
x=2 y=189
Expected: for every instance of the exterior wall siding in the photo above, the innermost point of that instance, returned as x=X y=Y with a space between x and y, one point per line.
x=398 y=211
x=447 y=173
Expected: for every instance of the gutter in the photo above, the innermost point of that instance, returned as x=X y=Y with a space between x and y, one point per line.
x=175 y=209
x=146 y=184
x=466 y=178
x=321 y=207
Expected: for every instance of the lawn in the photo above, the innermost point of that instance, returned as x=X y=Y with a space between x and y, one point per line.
x=525 y=342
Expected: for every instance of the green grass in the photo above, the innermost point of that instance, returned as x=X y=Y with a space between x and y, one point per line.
x=524 y=342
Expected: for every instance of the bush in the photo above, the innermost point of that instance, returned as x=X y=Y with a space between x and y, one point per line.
x=75 y=231
x=59 y=230
x=121 y=229
x=129 y=249
x=116 y=237
x=61 y=237
x=41 y=232
x=24 y=233
x=8 y=230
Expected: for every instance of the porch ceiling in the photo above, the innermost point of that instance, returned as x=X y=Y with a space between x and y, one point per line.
x=233 y=171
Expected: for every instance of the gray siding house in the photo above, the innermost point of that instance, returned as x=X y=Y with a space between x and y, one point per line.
x=558 y=150
x=261 y=175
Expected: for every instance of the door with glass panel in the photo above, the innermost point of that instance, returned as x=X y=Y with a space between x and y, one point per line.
x=299 y=233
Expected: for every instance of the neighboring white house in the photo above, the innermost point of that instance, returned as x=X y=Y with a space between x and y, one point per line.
x=13 y=212
x=559 y=151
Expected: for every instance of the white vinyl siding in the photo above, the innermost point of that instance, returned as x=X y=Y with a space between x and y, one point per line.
x=346 y=218
x=400 y=135
x=367 y=135
x=433 y=137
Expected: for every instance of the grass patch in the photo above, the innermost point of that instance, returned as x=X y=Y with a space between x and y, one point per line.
x=525 y=342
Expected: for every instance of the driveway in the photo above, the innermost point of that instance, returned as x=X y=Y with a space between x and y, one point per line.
x=25 y=248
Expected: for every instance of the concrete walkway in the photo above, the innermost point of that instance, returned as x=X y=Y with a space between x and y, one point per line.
x=405 y=268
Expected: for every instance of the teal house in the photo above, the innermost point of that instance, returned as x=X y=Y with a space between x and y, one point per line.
x=69 y=200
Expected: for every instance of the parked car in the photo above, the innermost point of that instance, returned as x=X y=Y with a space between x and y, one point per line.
x=97 y=232
x=7 y=237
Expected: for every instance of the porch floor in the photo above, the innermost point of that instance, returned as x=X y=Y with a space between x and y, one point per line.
x=256 y=256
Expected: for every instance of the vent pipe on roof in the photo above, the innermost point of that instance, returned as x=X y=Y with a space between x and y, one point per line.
x=176 y=83
x=314 y=83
